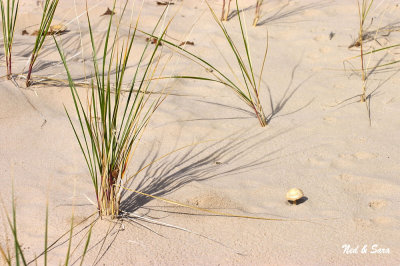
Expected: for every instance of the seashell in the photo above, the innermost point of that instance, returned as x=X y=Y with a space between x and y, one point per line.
x=294 y=195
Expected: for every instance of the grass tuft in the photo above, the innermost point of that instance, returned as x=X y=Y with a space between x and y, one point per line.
x=247 y=87
x=49 y=9
x=110 y=128
x=9 y=12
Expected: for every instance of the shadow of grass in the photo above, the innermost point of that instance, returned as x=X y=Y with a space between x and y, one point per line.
x=286 y=11
x=223 y=158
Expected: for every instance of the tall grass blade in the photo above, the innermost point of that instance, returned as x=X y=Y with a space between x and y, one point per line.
x=67 y=257
x=86 y=245
x=5 y=257
x=258 y=11
x=46 y=230
x=49 y=10
x=12 y=222
x=9 y=12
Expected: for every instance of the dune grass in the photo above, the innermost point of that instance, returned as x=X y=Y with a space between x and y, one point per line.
x=18 y=257
x=9 y=12
x=49 y=9
x=258 y=11
x=250 y=92
x=111 y=128
x=363 y=11
x=246 y=87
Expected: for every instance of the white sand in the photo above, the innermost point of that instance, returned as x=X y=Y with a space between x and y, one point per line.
x=316 y=140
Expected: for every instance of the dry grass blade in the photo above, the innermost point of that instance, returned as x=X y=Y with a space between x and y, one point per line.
x=225 y=14
x=258 y=11
x=5 y=257
x=217 y=213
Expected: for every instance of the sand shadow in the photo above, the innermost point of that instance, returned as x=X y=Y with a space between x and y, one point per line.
x=235 y=12
x=286 y=11
x=375 y=35
x=276 y=108
x=368 y=103
x=374 y=93
x=197 y=164
x=299 y=201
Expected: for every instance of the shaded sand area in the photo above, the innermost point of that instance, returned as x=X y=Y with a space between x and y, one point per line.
x=319 y=139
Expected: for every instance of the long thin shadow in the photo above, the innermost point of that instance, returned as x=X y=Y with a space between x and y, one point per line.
x=374 y=69
x=222 y=158
x=72 y=45
x=48 y=46
x=356 y=98
x=227 y=106
x=375 y=35
x=234 y=13
x=285 y=11
x=217 y=119
x=105 y=246
x=65 y=239
x=164 y=209
x=287 y=95
x=276 y=108
x=42 y=65
x=374 y=92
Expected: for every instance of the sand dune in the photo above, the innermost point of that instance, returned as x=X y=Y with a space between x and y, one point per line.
x=319 y=139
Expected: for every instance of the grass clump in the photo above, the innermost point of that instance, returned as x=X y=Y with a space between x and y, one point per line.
x=247 y=87
x=9 y=12
x=250 y=91
x=365 y=36
x=49 y=9
x=110 y=128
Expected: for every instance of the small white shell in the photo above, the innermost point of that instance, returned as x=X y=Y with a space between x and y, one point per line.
x=294 y=194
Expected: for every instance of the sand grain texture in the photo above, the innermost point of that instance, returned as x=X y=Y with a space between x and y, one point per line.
x=348 y=170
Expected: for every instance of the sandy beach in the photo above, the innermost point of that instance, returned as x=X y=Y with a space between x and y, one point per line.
x=342 y=153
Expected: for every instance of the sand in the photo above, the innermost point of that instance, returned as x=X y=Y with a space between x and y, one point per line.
x=319 y=139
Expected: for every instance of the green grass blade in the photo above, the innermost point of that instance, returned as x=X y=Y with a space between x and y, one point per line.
x=45 y=23
x=13 y=225
x=46 y=229
x=246 y=46
x=86 y=245
x=69 y=241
